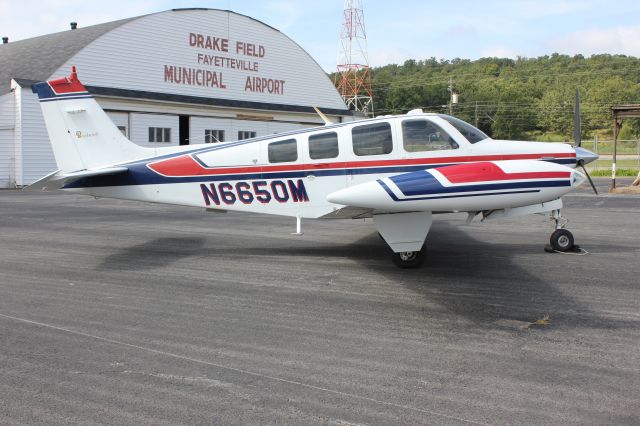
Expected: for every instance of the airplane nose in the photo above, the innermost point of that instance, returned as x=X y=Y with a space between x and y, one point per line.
x=577 y=178
x=585 y=156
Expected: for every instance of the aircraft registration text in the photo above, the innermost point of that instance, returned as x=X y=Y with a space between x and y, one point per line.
x=258 y=190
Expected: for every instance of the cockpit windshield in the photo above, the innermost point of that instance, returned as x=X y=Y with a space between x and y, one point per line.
x=471 y=133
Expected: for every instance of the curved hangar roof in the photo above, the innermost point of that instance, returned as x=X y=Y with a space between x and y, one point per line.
x=200 y=56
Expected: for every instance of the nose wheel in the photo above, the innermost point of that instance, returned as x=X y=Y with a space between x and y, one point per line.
x=561 y=239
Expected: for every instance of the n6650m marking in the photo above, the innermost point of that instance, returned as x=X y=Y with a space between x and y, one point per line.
x=258 y=190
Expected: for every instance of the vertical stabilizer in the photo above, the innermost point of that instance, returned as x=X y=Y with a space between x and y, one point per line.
x=82 y=135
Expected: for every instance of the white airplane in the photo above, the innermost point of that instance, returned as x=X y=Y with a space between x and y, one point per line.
x=398 y=170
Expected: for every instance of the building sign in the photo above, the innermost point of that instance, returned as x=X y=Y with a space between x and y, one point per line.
x=213 y=56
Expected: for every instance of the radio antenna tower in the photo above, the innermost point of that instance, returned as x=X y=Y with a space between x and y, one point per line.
x=353 y=78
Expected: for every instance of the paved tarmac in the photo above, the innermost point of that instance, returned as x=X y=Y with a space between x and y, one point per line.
x=116 y=312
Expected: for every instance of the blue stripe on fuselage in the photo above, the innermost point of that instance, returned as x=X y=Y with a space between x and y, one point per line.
x=424 y=183
x=140 y=174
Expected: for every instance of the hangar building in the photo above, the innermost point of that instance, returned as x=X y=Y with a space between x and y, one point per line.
x=183 y=76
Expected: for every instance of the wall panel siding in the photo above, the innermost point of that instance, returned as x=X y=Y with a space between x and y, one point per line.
x=140 y=124
x=199 y=124
x=7 y=120
x=37 y=155
x=134 y=55
x=120 y=119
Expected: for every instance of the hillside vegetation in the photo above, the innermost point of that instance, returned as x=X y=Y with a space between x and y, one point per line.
x=526 y=98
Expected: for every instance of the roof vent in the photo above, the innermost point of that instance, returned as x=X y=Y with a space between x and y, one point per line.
x=5 y=40
x=74 y=25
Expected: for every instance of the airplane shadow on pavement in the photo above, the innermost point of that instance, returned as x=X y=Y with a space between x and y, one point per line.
x=477 y=280
x=152 y=254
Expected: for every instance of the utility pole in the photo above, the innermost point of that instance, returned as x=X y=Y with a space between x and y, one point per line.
x=476 y=114
x=450 y=88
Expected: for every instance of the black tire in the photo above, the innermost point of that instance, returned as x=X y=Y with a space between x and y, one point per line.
x=409 y=259
x=561 y=240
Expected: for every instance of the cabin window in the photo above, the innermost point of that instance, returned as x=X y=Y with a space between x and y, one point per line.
x=423 y=135
x=213 y=136
x=372 y=139
x=471 y=133
x=159 y=134
x=283 y=151
x=323 y=145
x=246 y=134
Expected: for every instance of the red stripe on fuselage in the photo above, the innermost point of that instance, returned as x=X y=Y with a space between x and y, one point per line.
x=488 y=172
x=186 y=165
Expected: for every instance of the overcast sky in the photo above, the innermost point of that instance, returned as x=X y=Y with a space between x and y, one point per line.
x=396 y=30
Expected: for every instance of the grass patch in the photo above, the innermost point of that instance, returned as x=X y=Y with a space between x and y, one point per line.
x=620 y=172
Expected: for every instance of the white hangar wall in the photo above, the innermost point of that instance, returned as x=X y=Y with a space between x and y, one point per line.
x=189 y=71
x=146 y=54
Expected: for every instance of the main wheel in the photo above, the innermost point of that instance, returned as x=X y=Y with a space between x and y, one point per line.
x=409 y=259
x=561 y=240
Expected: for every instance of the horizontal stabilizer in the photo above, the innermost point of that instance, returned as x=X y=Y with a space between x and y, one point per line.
x=57 y=180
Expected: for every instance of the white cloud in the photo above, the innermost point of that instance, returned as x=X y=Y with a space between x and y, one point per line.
x=284 y=14
x=394 y=56
x=19 y=19
x=499 y=52
x=616 y=40
x=533 y=9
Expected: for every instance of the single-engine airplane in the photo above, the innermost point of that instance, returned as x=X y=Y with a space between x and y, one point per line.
x=398 y=170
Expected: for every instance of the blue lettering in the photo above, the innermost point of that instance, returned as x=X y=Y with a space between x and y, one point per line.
x=226 y=193
x=260 y=190
x=274 y=188
x=262 y=195
x=298 y=191
x=244 y=195
x=209 y=194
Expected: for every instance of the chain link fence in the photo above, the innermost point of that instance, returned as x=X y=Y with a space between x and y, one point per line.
x=627 y=153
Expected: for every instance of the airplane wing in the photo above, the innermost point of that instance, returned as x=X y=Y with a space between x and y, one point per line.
x=468 y=187
x=57 y=180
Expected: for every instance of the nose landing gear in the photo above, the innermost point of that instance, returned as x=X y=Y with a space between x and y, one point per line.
x=561 y=239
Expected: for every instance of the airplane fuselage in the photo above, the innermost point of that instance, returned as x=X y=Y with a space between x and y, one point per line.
x=293 y=173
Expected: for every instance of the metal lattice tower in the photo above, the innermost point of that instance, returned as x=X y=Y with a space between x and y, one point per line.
x=353 y=78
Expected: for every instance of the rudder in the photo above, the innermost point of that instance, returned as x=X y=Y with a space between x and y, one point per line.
x=81 y=134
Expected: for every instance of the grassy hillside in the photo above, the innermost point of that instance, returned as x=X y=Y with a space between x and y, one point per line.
x=527 y=98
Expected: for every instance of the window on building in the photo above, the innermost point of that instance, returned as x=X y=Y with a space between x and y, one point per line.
x=159 y=134
x=213 y=136
x=123 y=130
x=245 y=134
x=372 y=139
x=283 y=151
x=323 y=145
x=423 y=135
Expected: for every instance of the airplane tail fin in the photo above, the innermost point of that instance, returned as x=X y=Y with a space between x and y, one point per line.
x=82 y=136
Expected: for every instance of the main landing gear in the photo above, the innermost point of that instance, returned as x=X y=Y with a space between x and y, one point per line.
x=561 y=239
x=409 y=259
